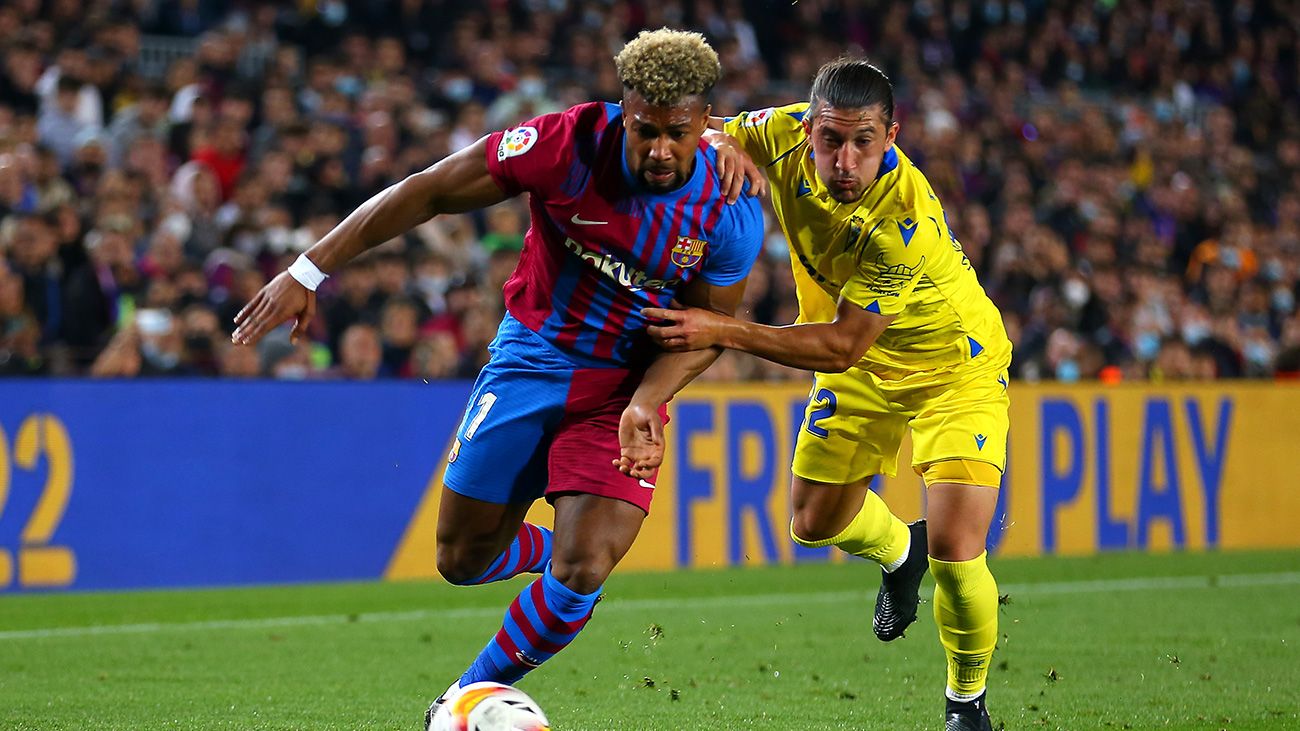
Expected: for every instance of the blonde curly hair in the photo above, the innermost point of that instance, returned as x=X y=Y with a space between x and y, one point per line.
x=665 y=66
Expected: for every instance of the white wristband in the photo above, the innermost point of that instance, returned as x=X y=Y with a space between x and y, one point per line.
x=306 y=272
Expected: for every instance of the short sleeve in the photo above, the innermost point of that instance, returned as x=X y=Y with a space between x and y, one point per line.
x=526 y=157
x=767 y=134
x=739 y=240
x=892 y=262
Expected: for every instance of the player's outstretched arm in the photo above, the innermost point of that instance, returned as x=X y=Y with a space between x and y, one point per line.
x=456 y=184
x=640 y=432
x=828 y=347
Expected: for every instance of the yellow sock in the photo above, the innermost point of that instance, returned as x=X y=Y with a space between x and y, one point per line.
x=966 y=610
x=874 y=533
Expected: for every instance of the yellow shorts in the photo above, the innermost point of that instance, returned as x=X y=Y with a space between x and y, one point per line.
x=855 y=422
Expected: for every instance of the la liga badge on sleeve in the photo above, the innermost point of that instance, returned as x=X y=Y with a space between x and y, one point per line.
x=516 y=142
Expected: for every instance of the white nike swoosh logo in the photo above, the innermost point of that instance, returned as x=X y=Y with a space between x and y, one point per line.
x=647 y=484
x=582 y=222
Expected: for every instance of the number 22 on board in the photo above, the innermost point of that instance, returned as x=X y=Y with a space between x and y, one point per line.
x=37 y=563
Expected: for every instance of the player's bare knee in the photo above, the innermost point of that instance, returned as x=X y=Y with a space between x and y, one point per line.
x=810 y=525
x=460 y=564
x=583 y=575
x=955 y=547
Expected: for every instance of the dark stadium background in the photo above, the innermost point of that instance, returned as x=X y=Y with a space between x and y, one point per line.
x=1123 y=175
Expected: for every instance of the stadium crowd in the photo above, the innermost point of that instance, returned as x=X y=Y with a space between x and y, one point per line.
x=1124 y=176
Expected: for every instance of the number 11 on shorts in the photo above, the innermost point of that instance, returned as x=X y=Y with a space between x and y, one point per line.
x=484 y=405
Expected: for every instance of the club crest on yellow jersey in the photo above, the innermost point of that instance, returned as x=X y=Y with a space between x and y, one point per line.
x=856 y=224
x=687 y=252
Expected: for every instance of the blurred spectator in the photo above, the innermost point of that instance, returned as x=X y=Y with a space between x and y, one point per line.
x=234 y=361
x=505 y=229
x=282 y=359
x=360 y=353
x=146 y=117
x=20 y=332
x=121 y=357
x=162 y=343
x=223 y=153
x=399 y=330
x=201 y=337
x=22 y=69
x=435 y=356
x=60 y=126
x=95 y=294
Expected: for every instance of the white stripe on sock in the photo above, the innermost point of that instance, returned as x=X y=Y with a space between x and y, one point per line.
x=893 y=566
x=960 y=697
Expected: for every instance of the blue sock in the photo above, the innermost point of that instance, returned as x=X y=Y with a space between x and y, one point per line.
x=541 y=621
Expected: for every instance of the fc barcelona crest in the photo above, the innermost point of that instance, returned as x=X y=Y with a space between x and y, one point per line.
x=687 y=252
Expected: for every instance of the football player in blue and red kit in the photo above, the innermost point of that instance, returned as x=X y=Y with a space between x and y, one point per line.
x=629 y=209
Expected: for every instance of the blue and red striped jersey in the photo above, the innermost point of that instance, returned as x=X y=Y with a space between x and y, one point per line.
x=601 y=246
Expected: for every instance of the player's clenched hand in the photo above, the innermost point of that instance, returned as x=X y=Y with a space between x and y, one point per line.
x=281 y=299
x=735 y=167
x=641 y=441
x=680 y=330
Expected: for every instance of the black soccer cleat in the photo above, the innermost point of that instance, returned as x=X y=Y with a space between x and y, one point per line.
x=969 y=716
x=900 y=590
x=433 y=708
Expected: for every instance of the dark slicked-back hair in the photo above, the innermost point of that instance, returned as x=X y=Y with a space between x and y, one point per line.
x=852 y=83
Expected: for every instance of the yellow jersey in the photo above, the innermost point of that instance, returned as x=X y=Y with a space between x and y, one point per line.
x=890 y=252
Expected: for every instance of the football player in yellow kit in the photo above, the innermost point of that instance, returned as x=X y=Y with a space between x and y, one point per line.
x=900 y=334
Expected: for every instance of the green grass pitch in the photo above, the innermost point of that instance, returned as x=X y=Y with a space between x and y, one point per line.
x=1121 y=641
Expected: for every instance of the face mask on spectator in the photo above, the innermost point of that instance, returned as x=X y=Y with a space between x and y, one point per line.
x=1274 y=270
x=1089 y=210
x=777 y=247
x=458 y=90
x=158 y=357
x=1147 y=345
x=291 y=372
x=1067 y=371
x=333 y=13
x=1258 y=353
x=1240 y=72
x=1076 y=293
x=1182 y=39
x=1284 y=300
x=1195 y=332
x=278 y=239
x=531 y=87
x=349 y=86
x=433 y=284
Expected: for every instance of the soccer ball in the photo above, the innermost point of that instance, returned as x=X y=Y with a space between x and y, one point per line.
x=489 y=707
